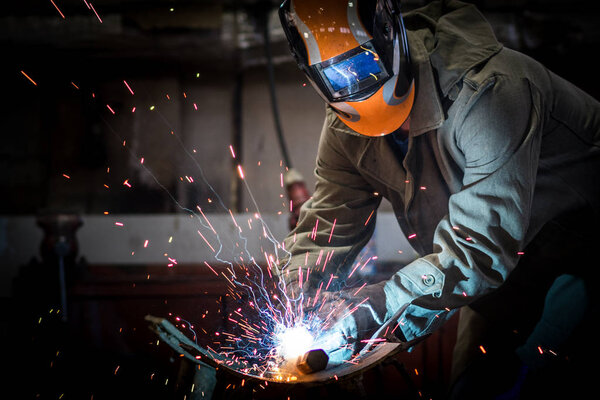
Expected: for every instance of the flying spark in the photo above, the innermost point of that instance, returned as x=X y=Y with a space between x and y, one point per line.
x=57 y=9
x=28 y=77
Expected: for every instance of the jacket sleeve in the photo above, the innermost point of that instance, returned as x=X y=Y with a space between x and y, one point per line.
x=477 y=244
x=334 y=225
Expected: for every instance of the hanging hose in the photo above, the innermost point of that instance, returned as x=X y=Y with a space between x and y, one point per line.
x=274 y=104
x=297 y=192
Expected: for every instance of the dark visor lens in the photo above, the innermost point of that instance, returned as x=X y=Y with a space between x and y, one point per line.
x=352 y=70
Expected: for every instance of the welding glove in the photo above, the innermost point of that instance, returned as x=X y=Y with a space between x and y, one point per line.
x=353 y=315
x=350 y=317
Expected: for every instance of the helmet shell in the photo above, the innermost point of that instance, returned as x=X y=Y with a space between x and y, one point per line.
x=364 y=41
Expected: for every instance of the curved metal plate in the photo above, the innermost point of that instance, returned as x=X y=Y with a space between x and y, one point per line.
x=179 y=342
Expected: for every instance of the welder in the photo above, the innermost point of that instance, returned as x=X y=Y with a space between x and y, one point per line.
x=491 y=164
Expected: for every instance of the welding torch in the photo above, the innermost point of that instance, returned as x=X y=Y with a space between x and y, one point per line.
x=316 y=360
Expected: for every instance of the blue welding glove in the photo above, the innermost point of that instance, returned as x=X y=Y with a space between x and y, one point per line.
x=352 y=316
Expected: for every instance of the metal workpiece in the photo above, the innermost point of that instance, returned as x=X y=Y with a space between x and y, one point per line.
x=298 y=376
x=312 y=361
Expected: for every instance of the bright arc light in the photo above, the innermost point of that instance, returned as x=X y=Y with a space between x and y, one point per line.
x=294 y=341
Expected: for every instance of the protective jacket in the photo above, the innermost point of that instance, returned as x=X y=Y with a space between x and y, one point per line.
x=499 y=149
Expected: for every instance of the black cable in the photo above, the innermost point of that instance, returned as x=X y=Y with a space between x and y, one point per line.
x=274 y=106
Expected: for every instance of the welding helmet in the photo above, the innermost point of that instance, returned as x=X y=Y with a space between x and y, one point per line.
x=355 y=54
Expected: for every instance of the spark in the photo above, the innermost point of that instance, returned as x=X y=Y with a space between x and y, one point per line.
x=331 y=233
x=95 y=12
x=57 y=9
x=206 y=219
x=327 y=258
x=368 y=219
x=211 y=268
x=355 y=307
x=328 y=283
x=66 y=176
x=231 y=150
x=313 y=234
x=373 y=340
x=202 y=236
x=360 y=288
x=28 y=77
x=128 y=87
x=111 y=110
x=319 y=257
x=354 y=269
x=240 y=171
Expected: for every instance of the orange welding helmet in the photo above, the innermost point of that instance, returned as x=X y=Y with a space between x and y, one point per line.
x=355 y=54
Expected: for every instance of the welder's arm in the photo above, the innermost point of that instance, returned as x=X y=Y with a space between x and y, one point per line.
x=334 y=225
x=476 y=245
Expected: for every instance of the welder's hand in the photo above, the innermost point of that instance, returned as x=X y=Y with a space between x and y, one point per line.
x=348 y=318
x=337 y=336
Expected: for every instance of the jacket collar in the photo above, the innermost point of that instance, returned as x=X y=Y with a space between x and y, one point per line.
x=427 y=112
x=446 y=39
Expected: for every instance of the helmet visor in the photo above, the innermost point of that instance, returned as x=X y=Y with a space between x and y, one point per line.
x=358 y=71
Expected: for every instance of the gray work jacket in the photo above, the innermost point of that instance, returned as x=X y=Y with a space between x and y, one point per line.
x=498 y=147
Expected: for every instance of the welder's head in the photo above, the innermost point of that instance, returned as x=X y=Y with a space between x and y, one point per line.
x=355 y=54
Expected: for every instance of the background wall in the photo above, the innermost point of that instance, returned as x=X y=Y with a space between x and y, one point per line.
x=131 y=107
